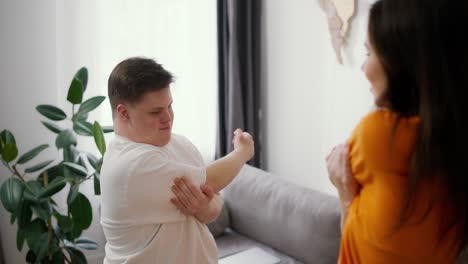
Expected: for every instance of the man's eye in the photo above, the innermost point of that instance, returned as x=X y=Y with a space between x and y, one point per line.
x=156 y=112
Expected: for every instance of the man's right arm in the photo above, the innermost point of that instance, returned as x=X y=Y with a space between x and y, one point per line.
x=222 y=171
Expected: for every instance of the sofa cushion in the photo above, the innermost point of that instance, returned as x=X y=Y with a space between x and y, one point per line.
x=231 y=242
x=297 y=221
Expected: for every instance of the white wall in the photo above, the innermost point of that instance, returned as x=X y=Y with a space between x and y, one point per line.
x=311 y=102
x=27 y=78
x=41 y=50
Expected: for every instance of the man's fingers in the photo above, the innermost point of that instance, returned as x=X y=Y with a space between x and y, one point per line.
x=246 y=136
x=179 y=206
x=182 y=184
x=208 y=191
x=196 y=192
x=237 y=131
x=180 y=195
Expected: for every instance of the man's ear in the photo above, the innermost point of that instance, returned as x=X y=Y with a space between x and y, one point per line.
x=122 y=112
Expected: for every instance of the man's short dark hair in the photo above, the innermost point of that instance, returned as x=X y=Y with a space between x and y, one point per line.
x=134 y=77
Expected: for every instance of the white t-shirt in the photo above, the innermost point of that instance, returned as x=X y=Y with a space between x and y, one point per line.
x=140 y=223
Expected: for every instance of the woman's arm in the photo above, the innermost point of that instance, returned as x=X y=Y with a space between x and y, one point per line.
x=339 y=171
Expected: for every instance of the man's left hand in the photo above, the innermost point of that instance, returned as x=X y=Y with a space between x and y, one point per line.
x=191 y=200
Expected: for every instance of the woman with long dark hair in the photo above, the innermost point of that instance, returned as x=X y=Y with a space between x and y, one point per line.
x=402 y=177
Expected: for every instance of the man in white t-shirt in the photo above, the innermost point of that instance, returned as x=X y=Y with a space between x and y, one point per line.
x=143 y=162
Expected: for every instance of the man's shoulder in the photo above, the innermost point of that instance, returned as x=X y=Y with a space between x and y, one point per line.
x=185 y=148
x=180 y=141
x=127 y=150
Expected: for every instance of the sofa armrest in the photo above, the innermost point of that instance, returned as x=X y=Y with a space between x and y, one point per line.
x=300 y=222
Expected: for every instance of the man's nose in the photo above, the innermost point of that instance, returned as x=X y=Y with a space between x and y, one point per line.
x=166 y=116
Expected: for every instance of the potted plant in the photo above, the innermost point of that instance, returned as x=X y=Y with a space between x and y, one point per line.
x=52 y=232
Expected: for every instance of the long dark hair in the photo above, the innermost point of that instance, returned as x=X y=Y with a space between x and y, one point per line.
x=422 y=47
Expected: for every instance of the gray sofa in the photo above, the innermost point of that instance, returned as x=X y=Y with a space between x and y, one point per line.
x=296 y=224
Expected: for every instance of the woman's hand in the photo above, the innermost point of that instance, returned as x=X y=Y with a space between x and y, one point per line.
x=339 y=171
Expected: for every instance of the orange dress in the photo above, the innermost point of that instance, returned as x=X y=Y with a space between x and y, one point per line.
x=380 y=156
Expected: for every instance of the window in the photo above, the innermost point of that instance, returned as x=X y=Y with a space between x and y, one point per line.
x=180 y=34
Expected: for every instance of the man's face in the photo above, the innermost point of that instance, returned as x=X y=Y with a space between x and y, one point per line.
x=150 y=120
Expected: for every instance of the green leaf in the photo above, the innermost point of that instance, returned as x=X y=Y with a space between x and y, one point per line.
x=20 y=236
x=80 y=117
x=9 y=153
x=76 y=169
x=91 y=104
x=108 y=129
x=92 y=160
x=82 y=75
x=32 y=191
x=30 y=257
x=54 y=171
x=51 y=112
x=81 y=212
x=75 y=92
x=24 y=213
x=13 y=218
x=11 y=193
x=85 y=243
x=53 y=202
x=65 y=139
x=65 y=223
x=99 y=165
x=81 y=161
x=41 y=245
x=83 y=128
x=77 y=257
x=97 y=184
x=7 y=137
x=31 y=154
x=34 y=231
x=38 y=166
x=70 y=154
x=58 y=258
x=99 y=137
x=72 y=193
x=53 y=187
x=51 y=176
x=74 y=233
x=52 y=127
x=42 y=210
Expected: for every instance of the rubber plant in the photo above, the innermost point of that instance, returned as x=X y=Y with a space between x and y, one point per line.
x=52 y=232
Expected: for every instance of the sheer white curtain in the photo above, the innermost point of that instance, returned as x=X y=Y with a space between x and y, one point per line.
x=180 y=34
